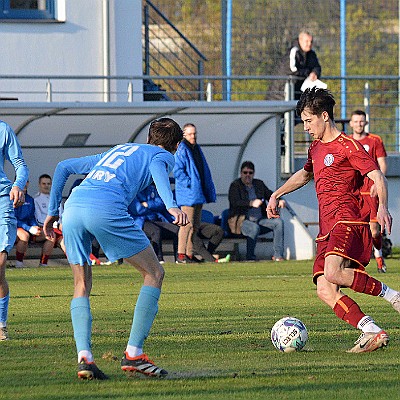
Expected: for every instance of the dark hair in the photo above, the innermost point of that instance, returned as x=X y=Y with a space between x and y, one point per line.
x=44 y=176
x=165 y=132
x=317 y=101
x=247 y=164
x=359 y=112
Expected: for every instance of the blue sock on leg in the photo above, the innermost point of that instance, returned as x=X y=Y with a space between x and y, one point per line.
x=145 y=312
x=4 y=310
x=82 y=323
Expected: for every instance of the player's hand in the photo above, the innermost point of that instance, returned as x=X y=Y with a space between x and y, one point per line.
x=384 y=219
x=48 y=226
x=17 y=196
x=272 y=208
x=180 y=218
x=373 y=192
x=256 y=203
x=281 y=203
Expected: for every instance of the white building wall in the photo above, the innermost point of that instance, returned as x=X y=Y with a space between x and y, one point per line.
x=74 y=47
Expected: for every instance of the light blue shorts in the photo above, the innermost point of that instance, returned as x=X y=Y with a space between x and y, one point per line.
x=113 y=227
x=8 y=224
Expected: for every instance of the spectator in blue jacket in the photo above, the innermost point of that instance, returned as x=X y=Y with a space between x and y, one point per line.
x=27 y=227
x=150 y=214
x=193 y=188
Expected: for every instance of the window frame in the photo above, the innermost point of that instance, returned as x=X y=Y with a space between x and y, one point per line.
x=27 y=15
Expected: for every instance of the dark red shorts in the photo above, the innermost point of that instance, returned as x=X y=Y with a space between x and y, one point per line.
x=353 y=242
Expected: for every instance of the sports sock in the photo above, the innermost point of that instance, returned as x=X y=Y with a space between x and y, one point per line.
x=364 y=283
x=81 y=323
x=377 y=253
x=145 y=312
x=367 y=324
x=387 y=293
x=348 y=310
x=85 y=354
x=134 y=351
x=44 y=259
x=377 y=242
x=181 y=256
x=4 y=310
x=19 y=256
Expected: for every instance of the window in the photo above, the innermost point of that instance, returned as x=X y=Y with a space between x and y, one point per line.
x=27 y=10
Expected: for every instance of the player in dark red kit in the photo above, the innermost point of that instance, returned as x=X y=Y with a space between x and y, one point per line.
x=373 y=144
x=338 y=165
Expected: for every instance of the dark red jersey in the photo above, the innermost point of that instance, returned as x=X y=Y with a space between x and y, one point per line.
x=339 y=168
x=373 y=144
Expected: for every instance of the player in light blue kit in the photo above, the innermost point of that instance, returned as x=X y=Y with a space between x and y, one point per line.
x=11 y=196
x=114 y=178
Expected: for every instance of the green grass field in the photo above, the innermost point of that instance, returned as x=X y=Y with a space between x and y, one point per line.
x=211 y=334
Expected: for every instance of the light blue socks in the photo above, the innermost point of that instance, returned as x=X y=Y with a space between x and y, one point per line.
x=4 y=310
x=82 y=323
x=145 y=312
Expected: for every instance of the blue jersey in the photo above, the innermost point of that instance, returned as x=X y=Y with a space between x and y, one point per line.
x=115 y=177
x=11 y=151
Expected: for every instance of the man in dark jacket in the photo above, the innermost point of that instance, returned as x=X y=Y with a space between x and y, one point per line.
x=304 y=62
x=248 y=198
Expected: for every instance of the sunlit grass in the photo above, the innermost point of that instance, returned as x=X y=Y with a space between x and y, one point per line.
x=211 y=334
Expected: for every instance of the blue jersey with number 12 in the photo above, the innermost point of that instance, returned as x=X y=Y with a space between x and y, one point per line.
x=115 y=177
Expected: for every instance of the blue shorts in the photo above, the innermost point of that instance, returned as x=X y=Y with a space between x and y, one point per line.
x=8 y=224
x=112 y=226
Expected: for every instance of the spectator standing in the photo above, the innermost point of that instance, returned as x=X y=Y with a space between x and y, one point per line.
x=338 y=164
x=193 y=188
x=115 y=177
x=248 y=198
x=42 y=200
x=11 y=196
x=303 y=62
x=373 y=144
x=27 y=228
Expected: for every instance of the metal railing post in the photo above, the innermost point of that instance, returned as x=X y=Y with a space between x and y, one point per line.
x=146 y=41
x=49 y=94
x=209 y=92
x=130 y=92
x=367 y=101
x=288 y=162
x=200 y=67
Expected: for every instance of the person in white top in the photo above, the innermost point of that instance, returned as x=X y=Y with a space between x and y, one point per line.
x=41 y=205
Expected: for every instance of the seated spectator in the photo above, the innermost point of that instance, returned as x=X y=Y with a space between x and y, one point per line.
x=214 y=234
x=248 y=198
x=27 y=227
x=150 y=214
x=41 y=205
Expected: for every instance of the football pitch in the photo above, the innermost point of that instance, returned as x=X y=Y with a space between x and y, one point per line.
x=212 y=334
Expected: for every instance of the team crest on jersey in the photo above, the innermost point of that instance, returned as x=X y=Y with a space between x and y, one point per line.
x=366 y=147
x=329 y=159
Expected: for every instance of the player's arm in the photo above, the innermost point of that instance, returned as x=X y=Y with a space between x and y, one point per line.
x=296 y=181
x=380 y=182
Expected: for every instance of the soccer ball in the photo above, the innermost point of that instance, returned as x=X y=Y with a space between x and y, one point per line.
x=289 y=334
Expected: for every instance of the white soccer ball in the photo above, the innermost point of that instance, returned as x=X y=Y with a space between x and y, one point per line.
x=289 y=334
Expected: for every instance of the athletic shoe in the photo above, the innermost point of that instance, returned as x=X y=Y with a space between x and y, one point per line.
x=43 y=265
x=89 y=371
x=277 y=259
x=381 y=265
x=370 y=341
x=3 y=334
x=143 y=365
x=395 y=302
x=193 y=260
x=19 y=264
x=225 y=259
x=180 y=261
